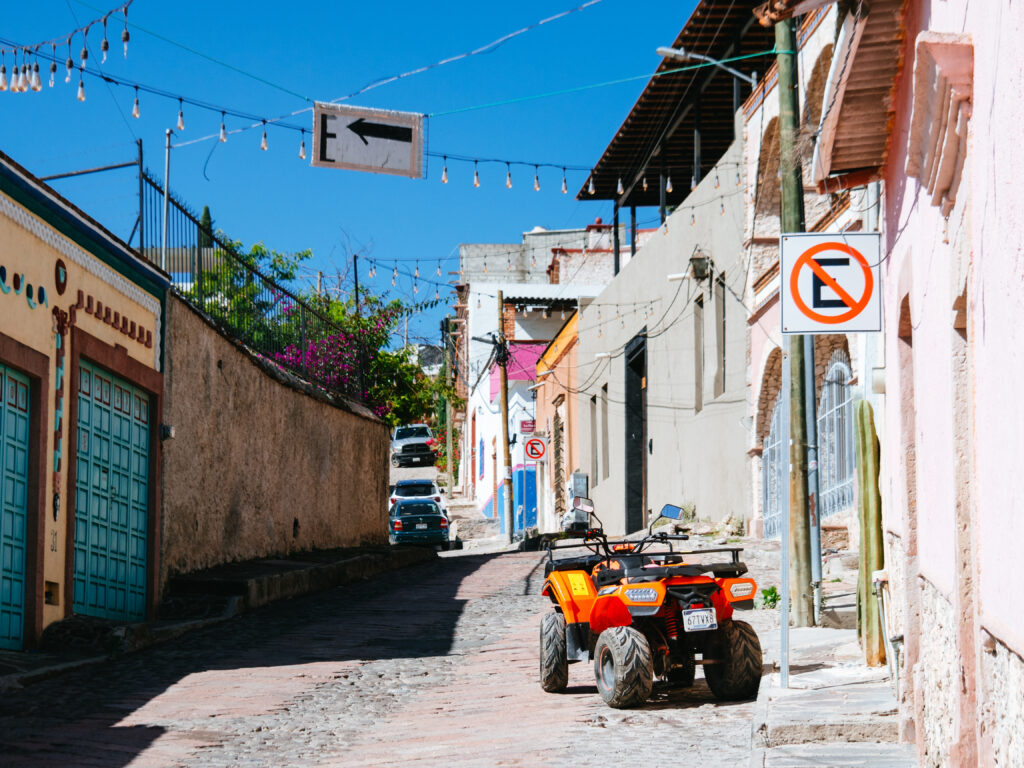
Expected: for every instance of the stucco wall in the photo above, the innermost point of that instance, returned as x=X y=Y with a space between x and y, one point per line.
x=251 y=456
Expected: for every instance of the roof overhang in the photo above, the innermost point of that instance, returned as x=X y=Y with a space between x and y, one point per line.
x=658 y=135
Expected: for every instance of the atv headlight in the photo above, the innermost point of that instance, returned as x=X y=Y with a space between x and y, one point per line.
x=642 y=594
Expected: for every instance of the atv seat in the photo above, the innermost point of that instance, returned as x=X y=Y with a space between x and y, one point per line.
x=582 y=563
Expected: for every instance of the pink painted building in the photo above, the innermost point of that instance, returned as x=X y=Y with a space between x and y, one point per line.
x=942 y=83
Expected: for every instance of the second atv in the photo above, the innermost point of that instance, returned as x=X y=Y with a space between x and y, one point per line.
x=640 y=611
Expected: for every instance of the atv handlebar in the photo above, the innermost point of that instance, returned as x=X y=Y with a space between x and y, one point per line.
x=597 y=542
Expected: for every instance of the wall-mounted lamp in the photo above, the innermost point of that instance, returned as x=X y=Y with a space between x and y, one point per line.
x=677 y=276
x=166 y=431
x=700 y=265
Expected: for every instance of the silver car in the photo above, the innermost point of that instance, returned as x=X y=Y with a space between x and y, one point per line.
x=412 y=444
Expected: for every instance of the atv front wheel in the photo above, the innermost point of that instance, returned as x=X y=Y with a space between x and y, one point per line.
x=554 y=664
x=623 y=667
x=737 y=674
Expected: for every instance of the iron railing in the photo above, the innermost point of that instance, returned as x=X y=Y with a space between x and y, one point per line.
x=227 y=286
x=772 y=476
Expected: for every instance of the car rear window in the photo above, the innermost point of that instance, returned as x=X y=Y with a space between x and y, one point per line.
x=418 y=508
x=419 y=489
x=404 y=433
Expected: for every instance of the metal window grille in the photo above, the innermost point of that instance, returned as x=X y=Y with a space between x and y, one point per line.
x=772 y=475
x=836 y=454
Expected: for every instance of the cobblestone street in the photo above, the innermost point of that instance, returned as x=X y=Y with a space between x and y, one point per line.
x=434 y=664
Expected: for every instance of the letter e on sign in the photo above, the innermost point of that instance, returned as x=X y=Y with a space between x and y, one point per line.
x=830 y=282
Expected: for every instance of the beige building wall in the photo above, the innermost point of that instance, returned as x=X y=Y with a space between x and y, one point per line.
x=51 y=290
x=258 y=468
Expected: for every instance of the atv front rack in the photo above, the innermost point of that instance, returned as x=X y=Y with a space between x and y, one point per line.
x=597 y=543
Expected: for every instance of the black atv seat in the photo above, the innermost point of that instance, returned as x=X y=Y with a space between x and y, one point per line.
x=582 y=563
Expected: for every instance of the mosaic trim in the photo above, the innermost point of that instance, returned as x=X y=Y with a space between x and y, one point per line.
x=89 y=263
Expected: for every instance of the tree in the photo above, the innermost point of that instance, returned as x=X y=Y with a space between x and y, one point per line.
x=206 y=228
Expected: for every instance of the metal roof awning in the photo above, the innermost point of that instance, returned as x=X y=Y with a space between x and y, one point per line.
x=858 y=110
x=684 y=115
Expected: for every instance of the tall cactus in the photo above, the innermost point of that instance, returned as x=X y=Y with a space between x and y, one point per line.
x=872 y=557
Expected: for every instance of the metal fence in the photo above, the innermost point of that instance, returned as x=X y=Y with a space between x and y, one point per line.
x=226 y=284
x=836 y=450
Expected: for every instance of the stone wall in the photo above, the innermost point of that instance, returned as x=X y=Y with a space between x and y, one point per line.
x=936 y=676
x=1002 y=681
x=258 y=468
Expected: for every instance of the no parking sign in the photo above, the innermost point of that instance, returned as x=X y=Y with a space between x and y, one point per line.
x=830 y=283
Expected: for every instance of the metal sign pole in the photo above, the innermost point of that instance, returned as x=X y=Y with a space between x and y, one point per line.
x=787 y=463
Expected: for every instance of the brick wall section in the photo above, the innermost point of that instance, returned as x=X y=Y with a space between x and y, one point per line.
x=508 y=314
x=771 y=383
x=824 y=347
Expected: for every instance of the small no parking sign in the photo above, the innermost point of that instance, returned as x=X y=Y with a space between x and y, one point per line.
x=830 y=283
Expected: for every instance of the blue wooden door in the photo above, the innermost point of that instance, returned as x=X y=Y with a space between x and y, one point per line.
x=14 y=390
x=111 y=496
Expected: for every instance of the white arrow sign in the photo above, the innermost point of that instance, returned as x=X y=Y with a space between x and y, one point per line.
x=364 y=139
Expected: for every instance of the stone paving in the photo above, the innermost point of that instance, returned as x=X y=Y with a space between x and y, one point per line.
x=432 y=664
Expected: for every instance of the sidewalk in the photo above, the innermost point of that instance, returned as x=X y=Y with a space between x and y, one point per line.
x=835 y=712
x=199 y=600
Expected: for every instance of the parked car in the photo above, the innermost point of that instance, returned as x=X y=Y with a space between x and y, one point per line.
x=412 y=444
x=417 y=521
x=422 y=490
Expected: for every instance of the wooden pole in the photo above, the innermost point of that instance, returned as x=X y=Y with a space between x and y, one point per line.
x=792 y=220
x=502 y=359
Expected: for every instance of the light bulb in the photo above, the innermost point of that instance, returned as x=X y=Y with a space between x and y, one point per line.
x=590 y=186
x=561 y=315
x=105 y=45
x=508 y=178
x=125 y=36
x=415 y=288
x=439 y=269
x=485 y=267
x=478 y=303
x=22 y=82
x=53 y=72
x=437 y=295
x=37 y=83
x=565 y=187
x=693 y=218
x=668 y=184
x=135 y=106
x=3 y=77
x=181 y=117
x=717 y=182
x=392 y=282
x=417 y=272
x=84 y=55
x=444 y=172
x=302 y=148
x=618 y=187
x=263 y=140
x=722 y=211
x=645 y=183
x=693 y=183
x=69 y=65
x=476 y=180
x=81 y=90
x=223 y=130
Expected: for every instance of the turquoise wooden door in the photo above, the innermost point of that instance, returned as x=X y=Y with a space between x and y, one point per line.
x=14 y=390
x=111 y=496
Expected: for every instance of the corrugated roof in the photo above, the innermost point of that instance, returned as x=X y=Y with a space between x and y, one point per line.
x=667 y=109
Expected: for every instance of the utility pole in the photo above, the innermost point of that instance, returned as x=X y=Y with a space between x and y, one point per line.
x=319 y=283
x=446 y=337
x=501 y=358
x=792 y=220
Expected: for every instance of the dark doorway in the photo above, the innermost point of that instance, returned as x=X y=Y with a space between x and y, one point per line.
x=636 y=431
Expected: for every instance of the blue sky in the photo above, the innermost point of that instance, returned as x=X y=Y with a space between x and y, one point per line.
x=322 y=51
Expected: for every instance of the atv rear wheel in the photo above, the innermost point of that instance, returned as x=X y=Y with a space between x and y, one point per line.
x=737 y=674
x=554 y=665
x=623 y=667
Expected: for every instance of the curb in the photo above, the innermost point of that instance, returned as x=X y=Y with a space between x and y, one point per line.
x=259 y=591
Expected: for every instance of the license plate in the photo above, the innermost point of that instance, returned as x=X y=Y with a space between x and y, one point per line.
x=421 y=526
x=699 y=619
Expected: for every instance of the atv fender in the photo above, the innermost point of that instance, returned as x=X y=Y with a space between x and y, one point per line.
x=574 y=593
x=609 y=611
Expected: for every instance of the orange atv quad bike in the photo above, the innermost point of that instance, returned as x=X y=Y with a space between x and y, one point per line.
x=640 y=611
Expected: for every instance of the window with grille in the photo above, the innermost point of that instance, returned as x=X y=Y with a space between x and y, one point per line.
x=836 y=466
x=772 y=475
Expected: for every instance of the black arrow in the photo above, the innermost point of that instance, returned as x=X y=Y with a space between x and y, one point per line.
x=362 y=129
